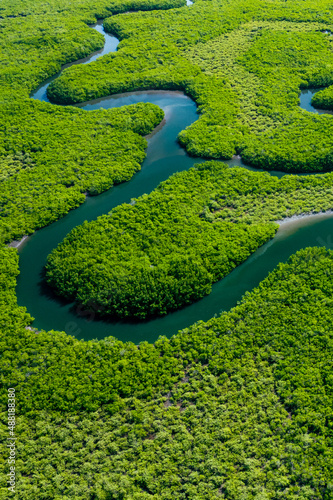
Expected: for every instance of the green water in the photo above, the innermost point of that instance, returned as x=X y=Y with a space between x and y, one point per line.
x=164 y=157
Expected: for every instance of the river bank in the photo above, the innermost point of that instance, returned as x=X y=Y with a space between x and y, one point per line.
x=164 y=157
x=297 y=218
x=18 y=243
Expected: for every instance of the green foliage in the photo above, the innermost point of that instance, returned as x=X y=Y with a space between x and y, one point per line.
x=239 y=407
x=161 y=251
x=164 y=250
x=11 y=315
x=97 y=8
x=66 y=153
x=323 y=99
x=243 y=64
x=50 y=156
x=226 y=61
x=236 y=408
x=263 y=65
x=12 y=164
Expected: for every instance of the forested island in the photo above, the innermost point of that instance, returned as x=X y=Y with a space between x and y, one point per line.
x=166 y=249
x=239 y=407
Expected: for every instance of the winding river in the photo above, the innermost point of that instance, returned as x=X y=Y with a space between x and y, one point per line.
x=164 y=157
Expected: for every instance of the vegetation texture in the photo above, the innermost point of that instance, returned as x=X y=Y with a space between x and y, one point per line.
x=239 y=407
x=323 y=99
x=51 y=155
x=92 y=152
x=164 y=250
x=243 y=63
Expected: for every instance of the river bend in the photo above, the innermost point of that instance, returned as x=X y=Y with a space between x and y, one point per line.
x=164 y=157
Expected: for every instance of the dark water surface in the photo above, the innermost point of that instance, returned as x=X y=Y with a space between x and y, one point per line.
x=164 y=157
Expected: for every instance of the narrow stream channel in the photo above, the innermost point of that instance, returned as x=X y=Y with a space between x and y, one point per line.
x=164 y=157
x=110 y=45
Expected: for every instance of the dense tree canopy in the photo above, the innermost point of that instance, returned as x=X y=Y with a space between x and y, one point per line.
x=239 y=407
x=51 y=155
x=244 y=64
x=324 y=98
x=164 y=250
x=89 y=153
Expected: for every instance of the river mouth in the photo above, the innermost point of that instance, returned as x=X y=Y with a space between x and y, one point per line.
x=164 y=157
